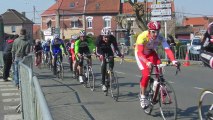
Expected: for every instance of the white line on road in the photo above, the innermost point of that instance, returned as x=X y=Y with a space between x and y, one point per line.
x=10 y=107
x=120 y=72
x=198 y=88
x=12 y=117
x=9 y=89
x=138 y=76
x=11 y=100
x=10 y=94
x=6 y=86
x=171 y=82
x=5 y=83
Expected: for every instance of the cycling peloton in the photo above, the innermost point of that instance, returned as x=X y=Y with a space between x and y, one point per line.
x=146 y=56
x=103 y=47
x=57 y=47
x=83 y=46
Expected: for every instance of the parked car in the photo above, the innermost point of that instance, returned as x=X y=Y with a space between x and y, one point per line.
x=194 y=49
x=195 y=46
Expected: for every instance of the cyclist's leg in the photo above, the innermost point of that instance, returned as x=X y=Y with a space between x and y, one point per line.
x=54 y=63
x=111 y=62
x=80 y=69
x=155 y=60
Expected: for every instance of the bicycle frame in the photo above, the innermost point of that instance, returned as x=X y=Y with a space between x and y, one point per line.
x=163 y=94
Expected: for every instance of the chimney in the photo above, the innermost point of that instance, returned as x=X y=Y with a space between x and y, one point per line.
x=23 y=13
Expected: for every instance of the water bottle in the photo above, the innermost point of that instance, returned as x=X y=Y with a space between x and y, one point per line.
x=155 y=84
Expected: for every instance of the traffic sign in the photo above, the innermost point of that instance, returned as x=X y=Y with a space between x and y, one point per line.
x=159 y=12
x=154 y=6
x=161 y=18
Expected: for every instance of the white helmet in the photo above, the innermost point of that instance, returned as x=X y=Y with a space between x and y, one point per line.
x=56 y=36
x=106 y=31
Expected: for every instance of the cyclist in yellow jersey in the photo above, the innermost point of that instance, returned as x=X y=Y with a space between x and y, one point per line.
x=146 y=56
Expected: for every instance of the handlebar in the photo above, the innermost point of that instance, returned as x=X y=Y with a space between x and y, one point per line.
x=161 y=66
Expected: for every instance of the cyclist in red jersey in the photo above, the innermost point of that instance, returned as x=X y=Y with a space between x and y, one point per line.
x=146 y=56
x=72 y=51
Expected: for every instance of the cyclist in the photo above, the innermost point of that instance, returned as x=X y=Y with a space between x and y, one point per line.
x=103 y=47
x=57 y=47
x=46 y=49
x=84 y=45
x=146 y=56
x=38 y=52
x=72 y=53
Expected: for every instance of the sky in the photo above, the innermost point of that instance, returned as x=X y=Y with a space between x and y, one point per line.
x=190 y=8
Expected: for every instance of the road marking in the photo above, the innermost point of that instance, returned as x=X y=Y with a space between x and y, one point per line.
x=10 y=89
x=120 y=72
x=6 y=86
x=12 y=117
x=5 y=83
x=10 y=107
x=10 y=94
x=198 y=88
x=11 y=100
x=171 y=82
x=138 y=76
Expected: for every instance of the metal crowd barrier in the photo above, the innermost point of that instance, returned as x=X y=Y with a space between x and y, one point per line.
x=33 y=103
x=180 y=53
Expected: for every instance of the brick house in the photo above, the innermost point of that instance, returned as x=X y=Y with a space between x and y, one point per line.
x=36 y=32
x=15 y=21
x=199 y=24
x=75 y=15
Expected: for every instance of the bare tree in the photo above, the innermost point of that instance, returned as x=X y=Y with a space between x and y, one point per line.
x=139 y=9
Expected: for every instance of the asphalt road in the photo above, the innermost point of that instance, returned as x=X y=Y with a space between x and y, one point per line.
x=68 y=99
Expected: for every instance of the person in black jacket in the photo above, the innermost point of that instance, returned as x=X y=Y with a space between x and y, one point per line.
x=7 y=57
x=106 y=46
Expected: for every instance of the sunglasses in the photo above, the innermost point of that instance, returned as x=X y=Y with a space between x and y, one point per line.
x=154 y=31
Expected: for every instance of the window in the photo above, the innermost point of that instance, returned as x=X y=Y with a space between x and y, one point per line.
x=107 y=21
x=89 y=22
x=49 y=24
x=74 y=24
x=13 y=29
x=72 y=5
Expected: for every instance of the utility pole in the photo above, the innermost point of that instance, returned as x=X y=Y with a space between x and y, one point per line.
x=34 y=10
x=84 y=17
x=57 y=18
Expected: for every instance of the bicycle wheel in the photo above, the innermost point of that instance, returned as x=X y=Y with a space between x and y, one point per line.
x=91 y=79
x=149 y=94
x=167 y=101
x=61 y=71
x=114 y=86
x=70 y=64
x=205 y=106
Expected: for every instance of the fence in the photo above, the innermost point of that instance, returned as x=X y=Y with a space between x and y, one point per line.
x=179 y=52
x=33 y=103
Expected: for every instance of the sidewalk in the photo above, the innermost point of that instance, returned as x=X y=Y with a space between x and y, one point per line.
x=10 y=98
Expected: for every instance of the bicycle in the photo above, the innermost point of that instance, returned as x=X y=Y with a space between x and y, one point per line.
x=70 y=63
x=205 y=106
x=89 y=79
x=46 y=60
x=164 y=94
x=111 y=81
x=59 y=67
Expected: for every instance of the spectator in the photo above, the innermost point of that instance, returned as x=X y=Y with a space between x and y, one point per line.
x=21 y=48
x=7 y=57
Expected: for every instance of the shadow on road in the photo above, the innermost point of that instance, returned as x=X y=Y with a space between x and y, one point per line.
x=189 y=113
